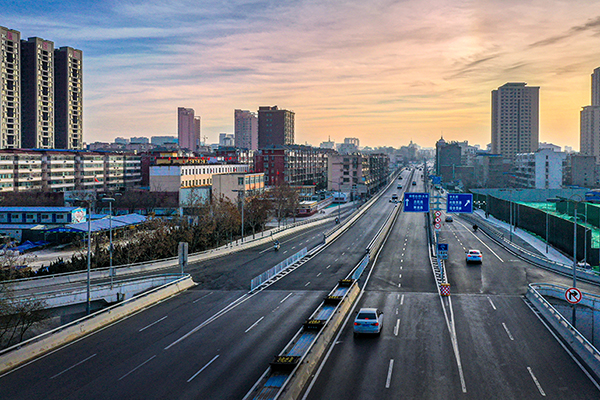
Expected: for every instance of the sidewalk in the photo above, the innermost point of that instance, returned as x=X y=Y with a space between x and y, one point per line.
x=538 y=244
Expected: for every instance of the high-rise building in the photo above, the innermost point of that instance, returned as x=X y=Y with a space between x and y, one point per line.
x=37 y=93
x=226 y=139
x=68 y=98
x=596 y=87
x=10 y=88
x=188 y=129
x=515 y=119
x=275 y=127
x=246 y=129
x=589 y=130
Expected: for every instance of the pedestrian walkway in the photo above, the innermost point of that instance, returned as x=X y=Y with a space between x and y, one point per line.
x=538 y=244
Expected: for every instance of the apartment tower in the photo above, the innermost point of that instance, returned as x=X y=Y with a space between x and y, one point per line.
x=515 y=119
x=275 y=126
x=246 y=129
x=10 y=88
x=589 y=139
x=188 y=129
x=68 y=99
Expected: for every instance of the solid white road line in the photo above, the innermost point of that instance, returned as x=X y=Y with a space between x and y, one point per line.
x=536 y=382
x=507 y=331
x=203 y=368
x=197 y=300
x=482 y=242
x=285 y=298
x=402 y=300
x=490 y=300
x=397 y=327
x=254 y=324
x=73 y=366
x=389 y=374
x=138 y=367
x=155 y=322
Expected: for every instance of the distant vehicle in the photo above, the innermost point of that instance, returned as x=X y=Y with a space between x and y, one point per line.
x=394 y=198
x=449 y=218
x=400 y=178
x=276 y=245
x=474 y=256
x=475 y=227
x=399 y=187
x=368 y=320
x=414 y=183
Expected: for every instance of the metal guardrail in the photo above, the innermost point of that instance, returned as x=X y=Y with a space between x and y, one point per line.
x=270 y=273
x=360 y=268
x=560 y=268
x=584 y=349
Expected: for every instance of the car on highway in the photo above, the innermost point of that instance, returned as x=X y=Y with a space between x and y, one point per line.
x=449 y=218
x=399 y=178
x=394 y=198
x=474 y=256
x=368 y=320
x=399 y=187
x=414 y=183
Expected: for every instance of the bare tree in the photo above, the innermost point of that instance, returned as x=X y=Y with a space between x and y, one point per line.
x=18 y=316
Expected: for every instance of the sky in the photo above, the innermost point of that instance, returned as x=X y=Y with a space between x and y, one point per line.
x=386 y=72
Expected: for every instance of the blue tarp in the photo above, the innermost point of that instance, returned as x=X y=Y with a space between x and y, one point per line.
x=103 y=224
x=26 y=245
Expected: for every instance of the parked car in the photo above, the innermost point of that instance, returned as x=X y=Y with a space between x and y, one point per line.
x=368 y=320
x=474 y=256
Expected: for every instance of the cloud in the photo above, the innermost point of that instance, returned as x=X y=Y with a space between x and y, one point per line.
x=591 y=25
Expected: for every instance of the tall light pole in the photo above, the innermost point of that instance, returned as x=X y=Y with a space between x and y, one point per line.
x=111 y=271
x=89 y=256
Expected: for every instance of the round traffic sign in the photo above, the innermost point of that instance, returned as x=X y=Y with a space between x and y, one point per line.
x=438 y=220
x=573 y=295
x=438 y=214
x=438 y=226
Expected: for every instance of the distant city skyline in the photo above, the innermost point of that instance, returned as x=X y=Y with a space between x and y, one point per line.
x=382 y=72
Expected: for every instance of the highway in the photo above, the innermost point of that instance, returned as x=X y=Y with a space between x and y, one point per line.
x=213 y=341
x=501 y=348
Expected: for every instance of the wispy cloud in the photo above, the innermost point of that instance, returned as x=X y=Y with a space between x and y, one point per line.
x=382 y=70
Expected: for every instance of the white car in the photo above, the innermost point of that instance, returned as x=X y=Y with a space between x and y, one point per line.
x=474 y=256
x=368 y=320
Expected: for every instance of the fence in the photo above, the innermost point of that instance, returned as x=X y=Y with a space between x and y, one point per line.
x=267 y=275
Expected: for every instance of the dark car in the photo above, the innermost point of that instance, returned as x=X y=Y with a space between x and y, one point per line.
x=414 y=183
x=449 y=218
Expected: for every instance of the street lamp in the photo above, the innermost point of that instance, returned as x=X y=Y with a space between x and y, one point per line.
x=89 y=256
x=111 y=271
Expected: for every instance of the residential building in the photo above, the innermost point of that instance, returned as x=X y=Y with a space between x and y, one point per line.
x=275 y=127
x=580 y=170
x=542 y=169
x=163 y=140
x=448 y=157
x=121 y=140
x=515 y=119
x=295 y=165
x=345 y=173
x=139 y=140
x=173 y=177
x=553 y=147
x=234 y=186
x=58 y=171
x=589 y=142
x=68 y=98
x=246 y=129
x=492 y=170
x=188 y=129
x=10 y=88
x=226 y=140
x=37 y=93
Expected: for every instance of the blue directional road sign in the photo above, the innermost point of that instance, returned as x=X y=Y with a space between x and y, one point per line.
x=416 y=202
x=459 y=203
x=442 y=250
x=436 y=180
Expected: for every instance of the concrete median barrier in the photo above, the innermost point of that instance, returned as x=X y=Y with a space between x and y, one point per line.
x=35 y=347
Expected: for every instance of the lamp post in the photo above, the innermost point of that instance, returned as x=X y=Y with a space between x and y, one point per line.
x=89 y=256
x=111 y=272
